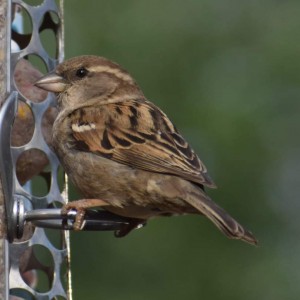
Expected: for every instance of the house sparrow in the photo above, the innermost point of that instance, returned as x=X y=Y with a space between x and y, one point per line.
x=122 y=152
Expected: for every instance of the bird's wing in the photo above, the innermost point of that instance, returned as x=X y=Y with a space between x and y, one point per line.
x=138 y=134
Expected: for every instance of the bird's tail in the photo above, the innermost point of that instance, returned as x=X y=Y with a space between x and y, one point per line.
x=230 y=227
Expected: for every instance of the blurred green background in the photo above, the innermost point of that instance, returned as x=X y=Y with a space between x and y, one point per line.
x=227 y=74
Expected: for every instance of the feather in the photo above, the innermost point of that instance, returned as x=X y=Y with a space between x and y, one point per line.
x=230 y=227
x=138 y=134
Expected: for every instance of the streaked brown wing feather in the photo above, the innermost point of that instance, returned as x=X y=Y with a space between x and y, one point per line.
x=138 y=134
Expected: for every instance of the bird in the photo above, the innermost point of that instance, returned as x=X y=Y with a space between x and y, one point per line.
x=123 y=153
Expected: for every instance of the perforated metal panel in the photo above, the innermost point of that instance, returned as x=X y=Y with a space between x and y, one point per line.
x=38 y=262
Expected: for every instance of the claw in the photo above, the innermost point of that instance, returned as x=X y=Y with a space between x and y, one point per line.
x=80 y=206
x=79 y=218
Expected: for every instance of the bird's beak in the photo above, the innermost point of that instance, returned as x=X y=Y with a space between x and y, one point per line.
x=52 y=82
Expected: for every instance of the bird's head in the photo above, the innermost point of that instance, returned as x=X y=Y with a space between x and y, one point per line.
x=84 y=80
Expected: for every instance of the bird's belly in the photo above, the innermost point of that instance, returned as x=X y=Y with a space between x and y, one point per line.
x=131 y=192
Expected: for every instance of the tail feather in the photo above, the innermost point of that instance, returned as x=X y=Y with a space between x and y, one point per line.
x=230 y=227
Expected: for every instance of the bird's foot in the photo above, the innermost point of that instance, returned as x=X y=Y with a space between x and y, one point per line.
x=81 y=206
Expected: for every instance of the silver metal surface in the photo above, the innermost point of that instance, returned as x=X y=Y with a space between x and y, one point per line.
x=25 y=264
x=7 y=115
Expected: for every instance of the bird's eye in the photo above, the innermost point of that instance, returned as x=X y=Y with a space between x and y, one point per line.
x=82 y=72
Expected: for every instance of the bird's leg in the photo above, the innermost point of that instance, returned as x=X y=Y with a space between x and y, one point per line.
x=80 y=206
